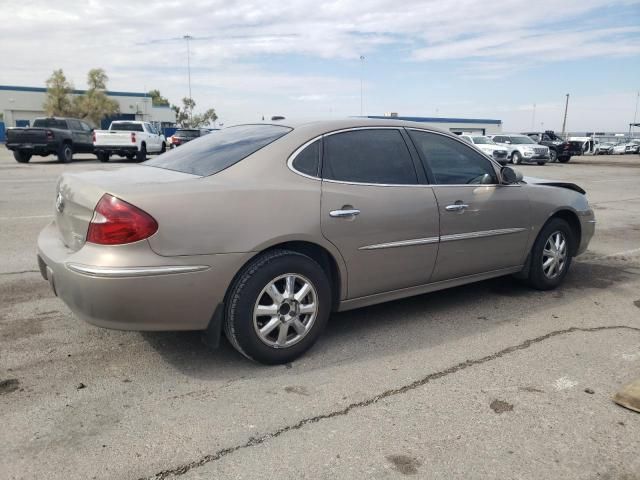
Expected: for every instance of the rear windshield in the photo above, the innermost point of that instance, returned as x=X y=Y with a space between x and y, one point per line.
x=210 y=154
x=187 y=133
x=126 y=127
x=50 y=123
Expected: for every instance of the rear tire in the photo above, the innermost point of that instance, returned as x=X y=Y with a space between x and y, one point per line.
x=65 y=153
x=163 y=148
x=545 y=254
x=541 y=163
x=564 y=159
x=296 y=318
x=141 y=156
x=21 y=157
x=103 y=156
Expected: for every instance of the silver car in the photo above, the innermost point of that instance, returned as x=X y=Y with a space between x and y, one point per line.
x=261 y=231
x=522 y=148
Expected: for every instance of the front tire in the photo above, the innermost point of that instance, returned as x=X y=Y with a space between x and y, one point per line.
x=553 y=155
x=564 y=159
x=163 y=148
x=551 y=255
x=541 y=163
x=65 y=153
x=277 y=307
x=21 y=157
x=516 y=158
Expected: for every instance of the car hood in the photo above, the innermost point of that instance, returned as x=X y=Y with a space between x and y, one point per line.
x=491 y=148
x=553 y=183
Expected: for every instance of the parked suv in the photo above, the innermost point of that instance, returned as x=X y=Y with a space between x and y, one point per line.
x=488 y=146
x=559 y=150
x=522 y=148
x=184 y=135
x=54 y=135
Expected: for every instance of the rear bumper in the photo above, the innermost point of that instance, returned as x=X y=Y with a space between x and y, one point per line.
x=157 y=293
x=33 y=148
x=114 y=149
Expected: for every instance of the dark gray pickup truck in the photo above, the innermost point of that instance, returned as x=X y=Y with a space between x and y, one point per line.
x=58 y=136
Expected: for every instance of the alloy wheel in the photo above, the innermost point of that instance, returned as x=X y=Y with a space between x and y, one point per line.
x=554 y=255
x=285 y=310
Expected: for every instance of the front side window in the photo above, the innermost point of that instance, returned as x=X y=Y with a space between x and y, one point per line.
x=452 y=162
x=213 y=153
x=521 y=140
x=308 y=160
x=368 y=156
x=74 y=124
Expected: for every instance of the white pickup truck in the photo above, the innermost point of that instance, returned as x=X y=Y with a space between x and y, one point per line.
x=128 y=138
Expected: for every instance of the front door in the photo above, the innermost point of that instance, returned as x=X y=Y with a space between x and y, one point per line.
x=375 y=211
x=484 y=226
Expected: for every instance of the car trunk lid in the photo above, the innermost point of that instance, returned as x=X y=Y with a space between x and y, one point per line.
x=77 y=195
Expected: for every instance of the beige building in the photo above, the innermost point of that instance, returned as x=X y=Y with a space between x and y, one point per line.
x=21 y=105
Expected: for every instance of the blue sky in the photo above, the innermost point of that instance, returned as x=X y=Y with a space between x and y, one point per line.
x=301 y=58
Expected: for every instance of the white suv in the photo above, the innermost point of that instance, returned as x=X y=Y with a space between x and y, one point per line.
x=489 y=147
x=522 y=148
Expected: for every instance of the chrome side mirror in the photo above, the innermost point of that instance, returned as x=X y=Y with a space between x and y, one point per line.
x=510 y=176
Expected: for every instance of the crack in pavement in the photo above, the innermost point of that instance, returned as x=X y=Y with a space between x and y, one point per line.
x=19 y=272
x=254 y=441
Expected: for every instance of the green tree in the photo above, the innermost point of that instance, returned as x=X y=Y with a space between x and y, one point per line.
x=95 y=105
x=186 y=119
x=58 y=101
x=157 y=100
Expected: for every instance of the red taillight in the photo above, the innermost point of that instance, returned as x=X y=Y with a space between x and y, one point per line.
x=116 y=222
x=49 y=135
x=93 y=137
x=133 y=137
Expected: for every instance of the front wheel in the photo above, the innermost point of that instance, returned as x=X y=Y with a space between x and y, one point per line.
x=516 y=158
x=551 y=255
x=553 y=155
x=21 y=157
x=564 y=159
x=65 y=153
x=277 y=307
x=541 y=163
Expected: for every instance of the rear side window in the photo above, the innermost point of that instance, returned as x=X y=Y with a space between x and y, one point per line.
x=50 y=123
x=74 y=124
x=308 y=160
x=452 y=162
x=213 y=153
x=368 y=156
x=126 y=127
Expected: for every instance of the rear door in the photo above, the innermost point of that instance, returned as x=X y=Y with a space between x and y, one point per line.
x=484 y=226
x=376 y=210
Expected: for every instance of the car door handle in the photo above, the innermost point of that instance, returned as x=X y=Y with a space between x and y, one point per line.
x=456 y=207
x=350 y=212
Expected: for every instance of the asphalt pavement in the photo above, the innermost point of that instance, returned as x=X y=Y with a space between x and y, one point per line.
x=490 y=380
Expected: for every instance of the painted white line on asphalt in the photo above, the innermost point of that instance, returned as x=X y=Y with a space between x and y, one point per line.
x=30 y=180
x=26 y=217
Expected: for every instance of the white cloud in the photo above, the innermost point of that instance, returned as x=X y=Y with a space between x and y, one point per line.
x=141 y=47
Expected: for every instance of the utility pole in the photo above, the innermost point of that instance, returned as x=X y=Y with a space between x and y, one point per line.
x=188 y=38
x=361 y=84
x=533 y=118
x=564 y=122
x=635 y=116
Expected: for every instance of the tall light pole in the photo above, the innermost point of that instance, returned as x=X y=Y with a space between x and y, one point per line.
x=533 y=118
x=361 y=83
x=635 y=116
x=189 y=38
x=564 y=122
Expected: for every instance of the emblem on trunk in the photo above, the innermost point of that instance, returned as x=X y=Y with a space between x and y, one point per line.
x=59 y=203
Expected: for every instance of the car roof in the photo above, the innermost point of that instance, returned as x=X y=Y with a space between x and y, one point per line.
x=319 y=127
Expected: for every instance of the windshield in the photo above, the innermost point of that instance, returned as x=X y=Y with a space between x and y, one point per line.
x=521 y=140
x=49 y=123
x=210 y=154
x=126 y=127
x=483 y=141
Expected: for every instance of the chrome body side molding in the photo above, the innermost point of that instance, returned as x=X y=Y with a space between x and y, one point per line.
x=119 y=272
x=480 y=234
x=401 y=243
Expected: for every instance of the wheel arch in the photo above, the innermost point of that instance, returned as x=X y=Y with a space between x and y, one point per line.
x=571 y=217
x=331 y=263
